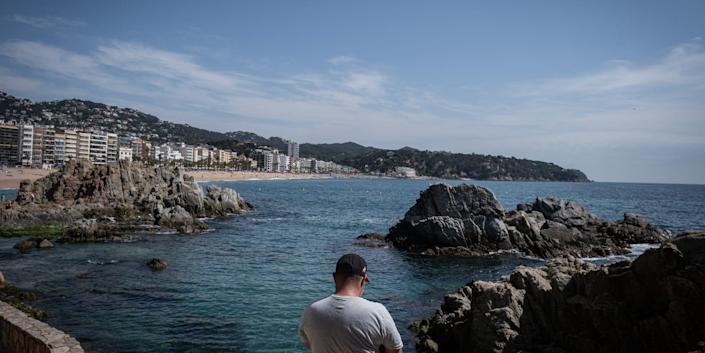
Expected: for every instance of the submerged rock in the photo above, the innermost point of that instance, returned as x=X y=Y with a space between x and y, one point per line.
x=654 y=304
x=94 y=202
x=470 y=220
x=24 y=245
x=157 y=264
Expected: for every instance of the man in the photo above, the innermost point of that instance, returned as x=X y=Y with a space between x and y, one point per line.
x=345 y=322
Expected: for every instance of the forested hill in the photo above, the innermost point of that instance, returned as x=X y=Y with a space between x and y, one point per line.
x=458 y=165
x=82 y=114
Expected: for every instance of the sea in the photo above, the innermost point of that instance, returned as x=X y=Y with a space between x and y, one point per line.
x=242 y=285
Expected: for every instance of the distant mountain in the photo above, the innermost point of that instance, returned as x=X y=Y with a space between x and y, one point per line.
x=81 y=114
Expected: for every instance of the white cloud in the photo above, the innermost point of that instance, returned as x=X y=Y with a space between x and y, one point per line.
x=45 y=21
x=684 y=64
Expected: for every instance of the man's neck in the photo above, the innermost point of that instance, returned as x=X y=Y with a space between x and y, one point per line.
x=348 y=292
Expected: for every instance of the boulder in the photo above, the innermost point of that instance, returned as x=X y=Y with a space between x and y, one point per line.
x=45 y=244
x=470 y=218
x=24 y=245
x=654 y=304
x=2 y=280
x=157 y=264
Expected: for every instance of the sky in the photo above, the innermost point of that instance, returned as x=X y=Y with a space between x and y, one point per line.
x=613 y=88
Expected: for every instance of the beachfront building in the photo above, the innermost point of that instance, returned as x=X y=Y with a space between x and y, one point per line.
x=125 y=153
x=293 y=150
x=223 y=156
x=282 y=165
x=264 y=159
x=98 y=148
x=405 y=172
x=113 y=148
x=70 y=144
x=84 y=146
x=26 y=145
x=9 y=144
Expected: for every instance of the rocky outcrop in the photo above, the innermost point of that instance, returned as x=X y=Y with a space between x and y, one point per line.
x=654 y=304
x=468 y=220
x=157 y=264
x=98 y=201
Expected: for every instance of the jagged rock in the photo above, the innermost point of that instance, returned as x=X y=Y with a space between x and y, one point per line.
x=45 y=244
x=371 y=240
x=2 y=280
x=100 y=201
x=469 y=218
x=24 y=245
x=157 y=264
x=654 y=304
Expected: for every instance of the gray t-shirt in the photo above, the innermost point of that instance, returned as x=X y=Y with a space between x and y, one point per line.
x=343 y=324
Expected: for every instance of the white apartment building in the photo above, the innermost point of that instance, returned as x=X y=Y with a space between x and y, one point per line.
x=98 y=148
x=125 y=153
x=283 y=163
x=84 y=146
x=26 y=145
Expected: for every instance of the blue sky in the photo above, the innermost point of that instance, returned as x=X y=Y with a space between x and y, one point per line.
x=614 y=88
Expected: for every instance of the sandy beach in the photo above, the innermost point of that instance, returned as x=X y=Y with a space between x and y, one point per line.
x=10 y=178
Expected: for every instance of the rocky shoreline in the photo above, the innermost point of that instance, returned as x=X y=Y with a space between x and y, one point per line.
x=655 y=303
x=467 y=220
x=86 y=202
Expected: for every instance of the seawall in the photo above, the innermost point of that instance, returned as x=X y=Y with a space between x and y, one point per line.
x=20 y=333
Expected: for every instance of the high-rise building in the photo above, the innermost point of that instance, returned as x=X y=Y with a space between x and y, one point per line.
x=264 y=159
x=9 y=144
x=293 y=150
x=26 y=145
x=84 y=145
x=113 y=148
x=70 y=144
x=98 y=148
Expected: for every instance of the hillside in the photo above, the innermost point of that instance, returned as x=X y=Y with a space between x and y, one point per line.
x=457 y=165
x=81 y=114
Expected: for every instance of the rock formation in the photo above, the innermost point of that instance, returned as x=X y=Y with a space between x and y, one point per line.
x=157 y=264
x=98 y=201
x=468 y=220
x=654 y=304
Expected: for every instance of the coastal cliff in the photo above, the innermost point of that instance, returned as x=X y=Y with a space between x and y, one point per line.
x=467 y=220
x=654 y=304
x=83 y=201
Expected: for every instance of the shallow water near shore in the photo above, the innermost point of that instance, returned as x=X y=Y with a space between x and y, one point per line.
x=242 y=286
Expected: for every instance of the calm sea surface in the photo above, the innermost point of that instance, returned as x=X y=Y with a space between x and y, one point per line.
x=242 y=286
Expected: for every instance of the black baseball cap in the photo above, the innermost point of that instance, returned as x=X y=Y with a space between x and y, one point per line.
x=351 y=264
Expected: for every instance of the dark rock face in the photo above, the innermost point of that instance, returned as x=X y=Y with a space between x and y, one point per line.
x=157 y=264
x=468 y=219
x=96 y=202
x=654 y=304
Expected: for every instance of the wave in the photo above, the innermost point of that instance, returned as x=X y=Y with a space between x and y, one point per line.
x=98 y=262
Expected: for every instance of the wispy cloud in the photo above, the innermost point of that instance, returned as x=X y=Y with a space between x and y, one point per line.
x=683 y=65
x=45 y=21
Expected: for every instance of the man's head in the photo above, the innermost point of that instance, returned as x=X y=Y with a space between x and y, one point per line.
x=350 y=275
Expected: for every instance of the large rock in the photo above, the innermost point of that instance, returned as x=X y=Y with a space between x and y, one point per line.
x=470 y=218
x=654 y=304
x=96 y=201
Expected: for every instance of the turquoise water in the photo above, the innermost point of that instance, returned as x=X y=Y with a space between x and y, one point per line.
x=242 y=286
